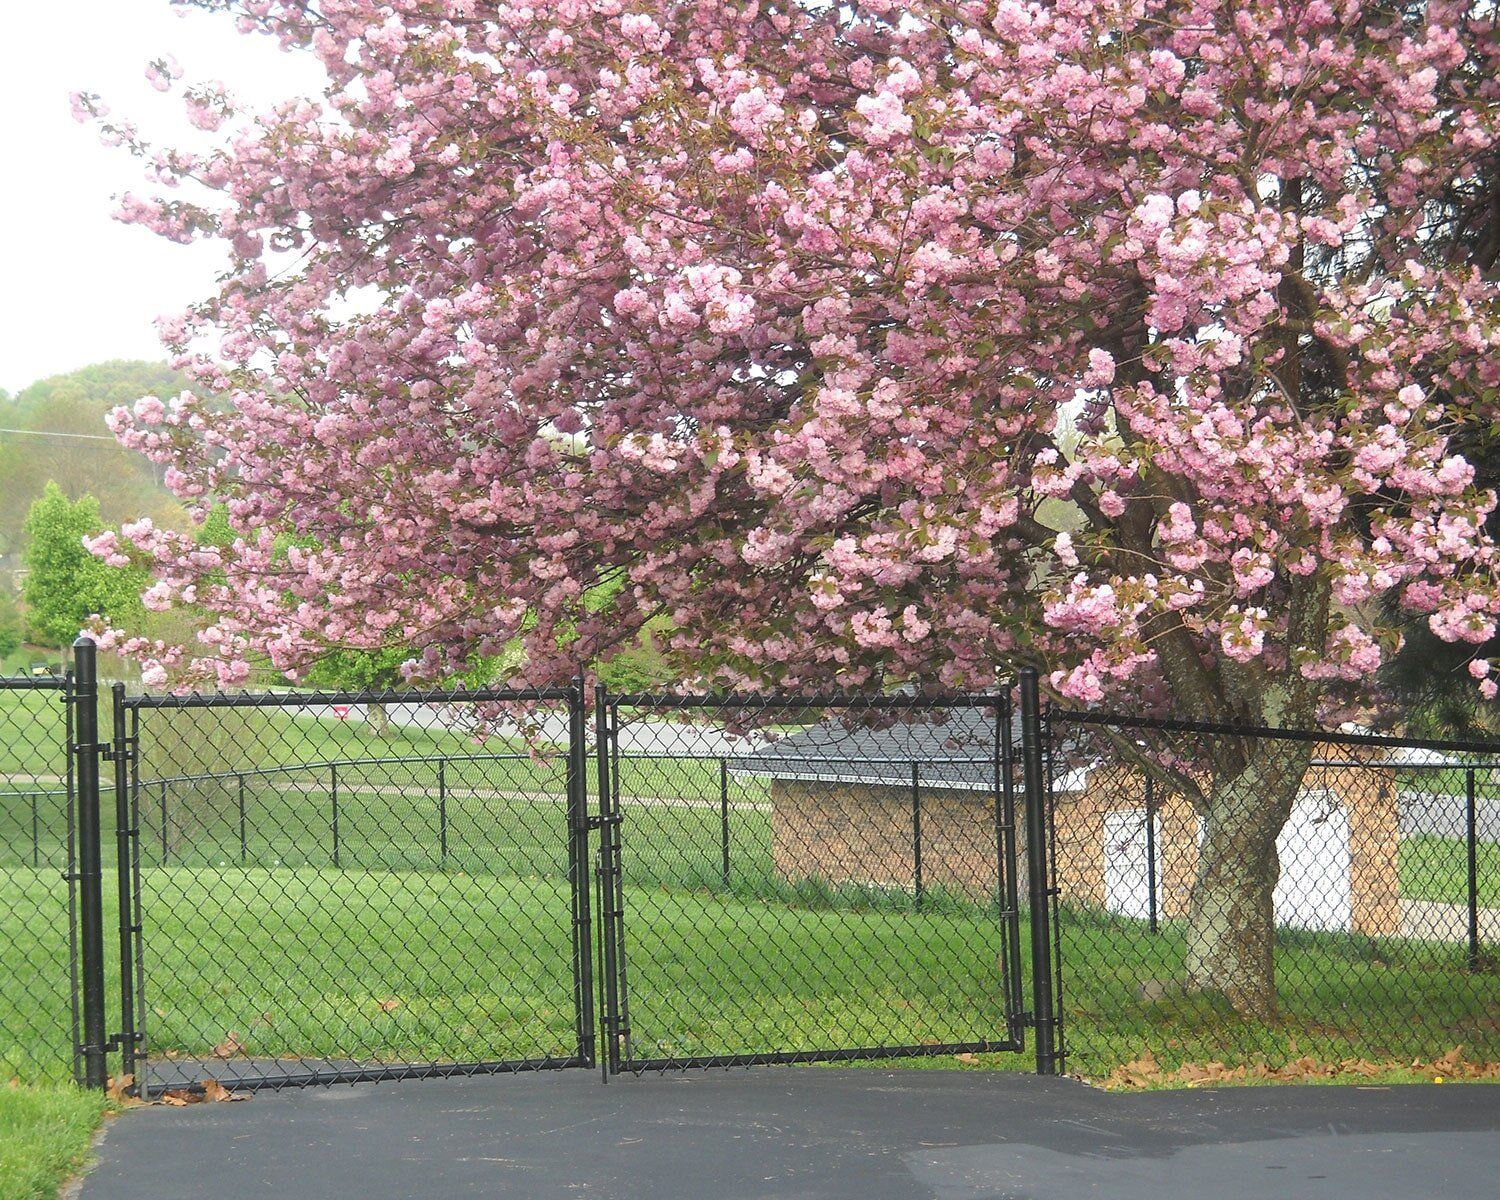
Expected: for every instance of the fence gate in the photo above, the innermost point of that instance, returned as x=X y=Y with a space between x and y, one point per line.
x=805 y=878
x=40 y=1034
x=348 y=887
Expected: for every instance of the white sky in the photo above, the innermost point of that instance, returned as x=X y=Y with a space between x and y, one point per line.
x=76 y=286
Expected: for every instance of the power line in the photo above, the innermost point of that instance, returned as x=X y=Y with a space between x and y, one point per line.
x=59 y=433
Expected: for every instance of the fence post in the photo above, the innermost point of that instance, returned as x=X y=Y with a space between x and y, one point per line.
x=578 y=866
x=724 y=819
x=609 y=893
x=90 y=872
x=333 y=795
x=443 y=810
x=1007 y=886
x=1471 y=831
x=123 y=756
x=1038 y=874
x=1151 y=853
x=239 y=784
x=916 y=831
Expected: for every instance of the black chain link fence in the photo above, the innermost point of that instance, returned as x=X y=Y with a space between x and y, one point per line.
x=367 y=886
x=1383 y=929
x=808 y=878
x=299 y=888
x=38 y=962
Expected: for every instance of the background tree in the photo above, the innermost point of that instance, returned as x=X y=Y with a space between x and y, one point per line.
x=10 y=624
x=833 y=307
x=62 y=424
x=363 y=670
x=65 y=585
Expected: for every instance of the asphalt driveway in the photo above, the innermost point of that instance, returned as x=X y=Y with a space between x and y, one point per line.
x=811 y=1134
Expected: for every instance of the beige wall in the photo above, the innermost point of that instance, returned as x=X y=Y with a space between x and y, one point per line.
x=862 y=833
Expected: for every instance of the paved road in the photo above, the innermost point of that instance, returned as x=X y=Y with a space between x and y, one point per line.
x=779 y=1134
x=636 y=736
x=1446 y=922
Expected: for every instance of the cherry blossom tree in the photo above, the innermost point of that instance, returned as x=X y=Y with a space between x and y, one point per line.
x=866 y=342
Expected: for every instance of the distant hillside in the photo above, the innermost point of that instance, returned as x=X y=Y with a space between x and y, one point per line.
x=125 y=484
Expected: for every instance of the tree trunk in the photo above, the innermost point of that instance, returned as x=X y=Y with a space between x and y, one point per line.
x=1231 y=917
x=378 y=719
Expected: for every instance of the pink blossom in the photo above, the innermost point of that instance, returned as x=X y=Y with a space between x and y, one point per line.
x=807 y=326
x=885 y=118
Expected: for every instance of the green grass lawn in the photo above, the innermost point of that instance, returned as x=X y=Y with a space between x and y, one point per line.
x=1437 y=868
x=33 y=733
x=44 y=1137
x=394 y=965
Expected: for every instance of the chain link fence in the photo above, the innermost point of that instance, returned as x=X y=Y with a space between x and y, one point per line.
x=803 y=878
x=277 y=888
x=1255 y=898
x=367 y=886
x=38 y=959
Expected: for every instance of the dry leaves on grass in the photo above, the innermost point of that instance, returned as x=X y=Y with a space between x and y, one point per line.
x=388 y=1005
x=230 y=1046
x=1145 y=1071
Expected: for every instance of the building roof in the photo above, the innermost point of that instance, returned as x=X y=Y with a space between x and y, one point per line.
x=953 y=749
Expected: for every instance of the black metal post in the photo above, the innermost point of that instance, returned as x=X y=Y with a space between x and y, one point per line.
x=36 y=834
x=70 y=714
x=578 y=869
x=1038 y=874
x=137 y=916
x=443 y=809
x=609 y=986
x=123 y=755
x=1471 y=831
x=1151 y=852
x=164 y=845
x=244 y=840
x=916 y=831
x=333 y=796
x=614 y=831
x=90 y=872
x=724 y=819
x=1010 y=900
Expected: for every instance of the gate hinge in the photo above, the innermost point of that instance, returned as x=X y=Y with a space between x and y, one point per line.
x=600 y=821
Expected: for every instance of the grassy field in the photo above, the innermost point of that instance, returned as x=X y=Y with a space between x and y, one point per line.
x=429 y=966
x=44 y=1137
x=1437 y=868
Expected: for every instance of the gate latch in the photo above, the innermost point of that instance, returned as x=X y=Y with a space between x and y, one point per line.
x=127 y=754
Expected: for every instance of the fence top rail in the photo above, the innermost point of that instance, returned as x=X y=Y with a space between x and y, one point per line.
x=33 y=683
x=1066 y=716
x=760 y=700
x=325 y=699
